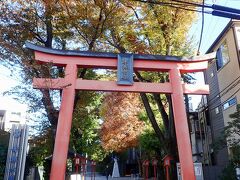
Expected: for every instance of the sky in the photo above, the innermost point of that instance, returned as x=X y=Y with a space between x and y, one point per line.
x=213 y=25
x=212 y=28
x=8 y=81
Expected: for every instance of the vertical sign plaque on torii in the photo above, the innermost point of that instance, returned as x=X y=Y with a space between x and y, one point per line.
x=125 y=69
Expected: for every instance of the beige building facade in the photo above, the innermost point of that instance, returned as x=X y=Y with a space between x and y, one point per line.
x=223 y=77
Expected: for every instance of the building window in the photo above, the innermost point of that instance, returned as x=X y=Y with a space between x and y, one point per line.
x=16 y=114
x=229 y=103
x=222 y=55
x=238 y=36
x=216 y=110
x=212 y=74
x=12 y=121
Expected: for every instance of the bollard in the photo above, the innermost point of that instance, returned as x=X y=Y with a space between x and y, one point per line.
x=166 y=162
x=83 y=164
x=154 y=163
x=145 y=167
x=77 y=163
x=93 y=169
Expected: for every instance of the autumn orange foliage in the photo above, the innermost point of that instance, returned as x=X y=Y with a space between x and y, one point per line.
x=121 y=126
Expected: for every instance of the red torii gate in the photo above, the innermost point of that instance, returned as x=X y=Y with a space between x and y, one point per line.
x=72 y=60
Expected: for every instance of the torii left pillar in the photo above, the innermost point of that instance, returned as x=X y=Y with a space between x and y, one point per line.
x=64 y=123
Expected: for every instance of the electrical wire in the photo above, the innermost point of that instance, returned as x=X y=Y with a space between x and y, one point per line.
x=163 y=3
x=176 y=2
x=217 y=97
x=180 y=5
x=201 y=35
x=174 y=5
x=223 y=92
x=214 y=26
x=217 y=10
x=226 y=100
x=193 y=4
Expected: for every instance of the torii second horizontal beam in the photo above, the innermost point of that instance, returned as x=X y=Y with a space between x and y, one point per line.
x=94 y=85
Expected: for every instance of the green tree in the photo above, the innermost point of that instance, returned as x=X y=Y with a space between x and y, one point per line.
x=86 y=126
x=230 y=138
x=149 y=143
x=156 y=30
x=232 y=130
x=114 y=25
x=3 y=158
x=4 y=139
x=121 y=127
x=51 y=24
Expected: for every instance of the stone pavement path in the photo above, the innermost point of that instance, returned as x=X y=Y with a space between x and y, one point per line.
x=104 y=178
x=101 y=177
x=110 y=178
x=98 y=177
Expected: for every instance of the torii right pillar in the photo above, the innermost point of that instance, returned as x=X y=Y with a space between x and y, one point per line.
x=181 y=126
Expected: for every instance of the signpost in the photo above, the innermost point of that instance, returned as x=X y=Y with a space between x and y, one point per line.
x=197 y=169
x=17 y=150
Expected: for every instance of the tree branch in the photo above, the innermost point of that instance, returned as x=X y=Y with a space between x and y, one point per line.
x=162 y=111
x=153 y=120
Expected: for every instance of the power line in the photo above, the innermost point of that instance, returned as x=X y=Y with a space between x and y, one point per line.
x=173 y=5
x=226 y=100
x=217 y=10
x=212 y=27
x=209 y=26
x=227 y=88
x=201 y=35
x=192 y=4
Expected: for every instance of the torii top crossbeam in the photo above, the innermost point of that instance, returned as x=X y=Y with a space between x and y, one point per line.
x=72 y=60
x=85 y=59
x=109 y=60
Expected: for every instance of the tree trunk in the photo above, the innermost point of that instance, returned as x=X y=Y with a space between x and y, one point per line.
x=153 y=120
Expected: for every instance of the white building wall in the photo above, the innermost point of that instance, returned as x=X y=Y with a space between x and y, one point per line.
x=14 y=117
x=14 y=113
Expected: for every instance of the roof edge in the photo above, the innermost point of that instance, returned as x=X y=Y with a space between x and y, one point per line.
x=219 y=37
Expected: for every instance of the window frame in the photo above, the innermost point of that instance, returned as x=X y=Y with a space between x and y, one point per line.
x=229 y=103
x=221 y=61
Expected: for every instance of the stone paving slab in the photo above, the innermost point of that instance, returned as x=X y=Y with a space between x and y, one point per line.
x=110 y=178
x=99 y=177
